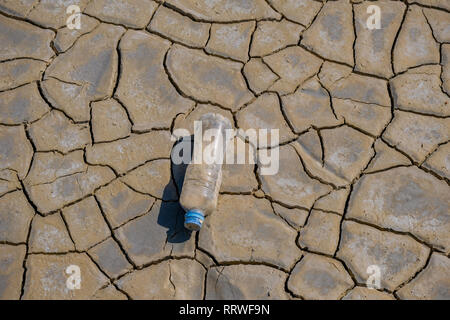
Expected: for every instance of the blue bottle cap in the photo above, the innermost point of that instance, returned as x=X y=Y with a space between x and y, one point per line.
x=193 y=220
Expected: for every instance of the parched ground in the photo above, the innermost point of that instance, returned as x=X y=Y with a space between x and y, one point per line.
x=85 y=138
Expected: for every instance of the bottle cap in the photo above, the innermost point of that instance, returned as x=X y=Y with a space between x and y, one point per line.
x=193 y=220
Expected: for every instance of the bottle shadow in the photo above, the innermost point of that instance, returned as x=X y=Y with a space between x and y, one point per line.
x=171 y=214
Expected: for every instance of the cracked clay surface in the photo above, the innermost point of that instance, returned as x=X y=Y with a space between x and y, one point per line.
x=86 y=178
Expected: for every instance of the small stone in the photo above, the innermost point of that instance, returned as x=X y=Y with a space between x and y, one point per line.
x=70 y=98
x=319 y=277
x=343 y=84
x=144 y=87
x=300 y=11
x=332 y=35
x=109 y=121
x=445 y=75
x=56 y=132
x=363 y=293
x=295 y=217
x=239 y=176
x=399 y=257
x=415 y=134
x=265 y=113
x=321 y=223
x=157 y=235
x=121 y=204
x=385 y=158
x=347 y=151
x=16 y=214
x=294 y=65
x=207 y=78
x=309 y=106
x=153 y=178
x=243 y=282
x=270 y=36
x=130 y=13
x=46 y=277
x=49 y=166
x=415 y=44
x=66 y=37
x=291 y=185
x=49 y=235
x=167 y=22
x=110 y=258
x=11 y=271
x=259 y=193
x=432 y=283
x=52 y=196
x=371 y=118
x=439 y=161
x=18 y=72
x=95 y=72
x=373 y=46
x=16 y=151
x=23 y=40
x=171 y=279
x=404 y=199
x=53 y=14
x=333 y=202
x=439 y=22
x=259 y=237
x=86 y=223
x=420 y=90
x=258 y=75
x=126 y=154
x=8 y=181
x=231 y=40
x=224 y=11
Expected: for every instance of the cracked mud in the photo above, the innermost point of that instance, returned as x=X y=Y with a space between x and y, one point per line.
x=86 y=179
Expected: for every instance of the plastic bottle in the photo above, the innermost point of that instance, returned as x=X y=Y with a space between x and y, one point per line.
x=203 y=179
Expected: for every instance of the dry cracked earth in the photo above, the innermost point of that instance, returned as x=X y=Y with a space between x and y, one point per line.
x=86 y=179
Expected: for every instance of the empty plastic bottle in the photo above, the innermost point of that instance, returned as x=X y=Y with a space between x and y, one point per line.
x=203 y=179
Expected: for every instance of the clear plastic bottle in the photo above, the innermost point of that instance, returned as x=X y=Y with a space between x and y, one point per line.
x=203 y=179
